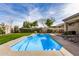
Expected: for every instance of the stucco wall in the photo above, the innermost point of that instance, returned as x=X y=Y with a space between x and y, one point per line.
x=74 y=27
x=7 y=29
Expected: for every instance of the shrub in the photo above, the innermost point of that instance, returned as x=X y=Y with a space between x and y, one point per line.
x=49 y=31
x=16 y=29
x=29 y=30
x=69 y=33
x=1 y=31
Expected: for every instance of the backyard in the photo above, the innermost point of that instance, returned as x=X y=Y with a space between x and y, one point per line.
x=53 y=34
x=9 y=37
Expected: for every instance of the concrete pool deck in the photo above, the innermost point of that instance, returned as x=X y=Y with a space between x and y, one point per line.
x=70 y=46
x=5 y=50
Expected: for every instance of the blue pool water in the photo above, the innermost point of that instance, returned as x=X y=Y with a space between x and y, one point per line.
x=37 y=42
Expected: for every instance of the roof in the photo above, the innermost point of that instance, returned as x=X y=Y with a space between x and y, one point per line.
x=68 y=18
x=59 y=25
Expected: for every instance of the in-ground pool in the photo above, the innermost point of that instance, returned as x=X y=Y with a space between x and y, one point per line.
x=37 y=42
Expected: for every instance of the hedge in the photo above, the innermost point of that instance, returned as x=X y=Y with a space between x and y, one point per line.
x=28 y=30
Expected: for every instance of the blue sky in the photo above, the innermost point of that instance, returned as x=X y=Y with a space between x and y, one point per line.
x=18 y=13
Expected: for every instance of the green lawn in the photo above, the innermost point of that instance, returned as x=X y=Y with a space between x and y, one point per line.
x=9 y=37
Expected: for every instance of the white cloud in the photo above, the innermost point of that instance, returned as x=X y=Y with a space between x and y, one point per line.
x=50 y=12
x=5 y=8
x=70 y=9
x=10 y=15
x=34 y=15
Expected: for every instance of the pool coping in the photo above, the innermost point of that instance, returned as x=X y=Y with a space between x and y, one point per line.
x=5 y=50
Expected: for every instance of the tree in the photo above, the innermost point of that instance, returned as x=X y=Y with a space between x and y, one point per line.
x=26 y=24
x=33 y=24
x=3 y=26
x=16 y=29
x=1 y=30
x=49 y=22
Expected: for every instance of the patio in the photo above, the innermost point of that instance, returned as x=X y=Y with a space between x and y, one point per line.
x=70 y=46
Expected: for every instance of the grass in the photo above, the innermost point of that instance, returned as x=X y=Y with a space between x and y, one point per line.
x=9 y=37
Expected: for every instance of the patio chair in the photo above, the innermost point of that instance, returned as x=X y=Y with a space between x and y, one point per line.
x=73 y=38
x=65 y=37
x=76 y=39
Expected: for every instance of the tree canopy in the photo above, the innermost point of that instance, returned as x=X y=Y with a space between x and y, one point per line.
x=16 y=29
x=49 y=22
x=27 y=24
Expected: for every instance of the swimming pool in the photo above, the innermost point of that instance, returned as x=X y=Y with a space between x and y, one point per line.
x=37 y=42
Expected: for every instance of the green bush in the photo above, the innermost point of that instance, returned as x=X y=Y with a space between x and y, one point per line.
x=1 y=31
x=16 y=29
x=69 y=33
x=29 y=30
x=49 y=31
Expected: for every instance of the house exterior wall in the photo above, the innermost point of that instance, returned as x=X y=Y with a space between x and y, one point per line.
x=65 y=26
x=72 y=25
x=58 y=28
x=7 y=29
